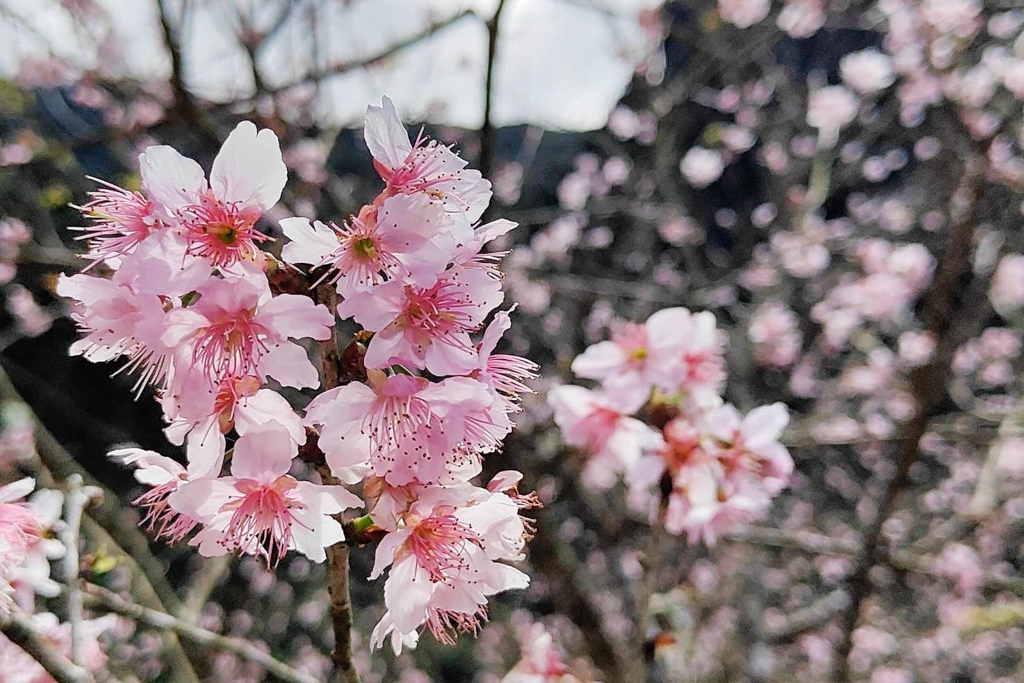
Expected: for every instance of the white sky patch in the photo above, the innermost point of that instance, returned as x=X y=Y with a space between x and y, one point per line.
x=562 y=64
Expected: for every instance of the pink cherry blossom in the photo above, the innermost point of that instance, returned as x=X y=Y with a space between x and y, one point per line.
x=410 y=429
x=831 y=109
x=445 y=561
x=237 y=328
x=259 y=509
x=118 y=321
x=19 y=530
x=506 y=374
x=406 y=237
x=867 y=71
x=163 y=476
x=120 y=221
x=201 y=413
x=1007 y=292
x=424 y=166
x=701 y=166
x=426 y=327
x=743 y=13
x=541 y=660
x=218 y=218
x=593 y=421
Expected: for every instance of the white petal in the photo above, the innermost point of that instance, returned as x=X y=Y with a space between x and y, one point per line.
x=249 y=168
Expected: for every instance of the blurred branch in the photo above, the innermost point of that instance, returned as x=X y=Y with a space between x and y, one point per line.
x=345 y=67
x=927 y=384
x=101 y=599
x=76 y=498
x=568 y=589
x=18 y=627
x=815 y=615
x=184 y=103
x=203 y=583
x=123 y=540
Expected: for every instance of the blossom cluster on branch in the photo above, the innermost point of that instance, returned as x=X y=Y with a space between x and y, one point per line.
x=192 y=308
x=658 y=422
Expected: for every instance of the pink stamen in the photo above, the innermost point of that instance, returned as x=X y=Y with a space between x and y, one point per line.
x=231 y=347
x=161 y=519
x=122 y=219
x=223 y=232
x=262 y=519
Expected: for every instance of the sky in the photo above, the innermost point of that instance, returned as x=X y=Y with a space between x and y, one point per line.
x=562 y=64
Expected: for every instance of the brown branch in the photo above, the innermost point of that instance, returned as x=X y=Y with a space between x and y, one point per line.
x=331 y=361
x=927 y=384
x=184 y=104
x=20 y=630
x=487 y=128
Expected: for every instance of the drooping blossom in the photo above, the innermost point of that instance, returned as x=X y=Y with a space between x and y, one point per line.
x=507 y=375
x=163 y=476
x=260 y=509
x=445 y=560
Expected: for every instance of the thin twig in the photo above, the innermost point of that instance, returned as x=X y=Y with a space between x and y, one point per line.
x=76 y=498
x=18 y=627
x=345 y=67
x=100 y=599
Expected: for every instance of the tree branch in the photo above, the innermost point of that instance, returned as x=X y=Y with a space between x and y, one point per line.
x=487 y=128
x=124 y=541
x=331 y=362
x=927 y=384
x=18 y=627
x=345 y=67
x=101 y=599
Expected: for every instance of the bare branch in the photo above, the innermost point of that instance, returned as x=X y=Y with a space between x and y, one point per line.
x=101 y=599
x=487 y=128
x=928 y=385
x=18 y=627
x=345 y=67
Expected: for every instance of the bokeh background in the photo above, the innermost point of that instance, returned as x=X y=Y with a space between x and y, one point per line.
x=654 y=154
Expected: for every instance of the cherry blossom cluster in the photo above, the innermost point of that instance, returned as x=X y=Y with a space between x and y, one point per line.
x=658 y=422
x=191 y=308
